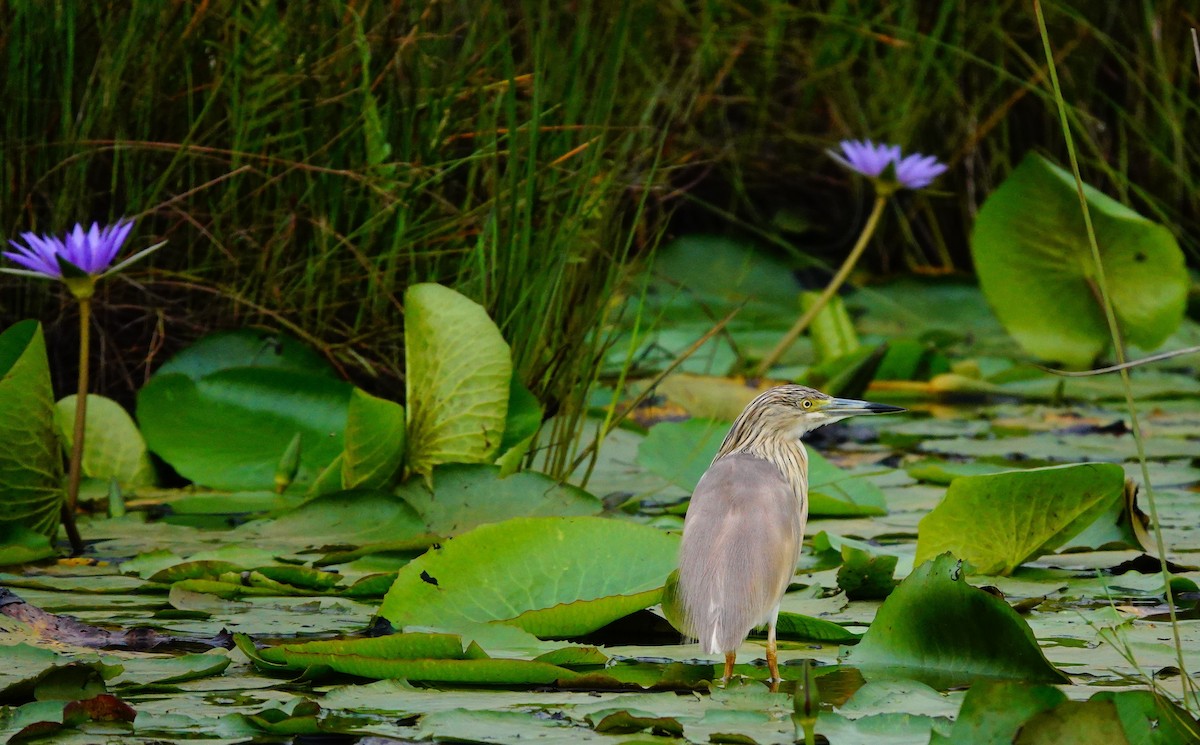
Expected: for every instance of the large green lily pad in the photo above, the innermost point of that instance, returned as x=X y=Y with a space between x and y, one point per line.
x=1035 y=265
x=552 y=576
x=231 y=428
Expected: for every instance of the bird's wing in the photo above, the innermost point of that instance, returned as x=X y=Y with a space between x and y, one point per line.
x=741 y=541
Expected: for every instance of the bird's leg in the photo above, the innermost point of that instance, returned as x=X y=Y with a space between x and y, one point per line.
x=729 y=658
x=772 y=655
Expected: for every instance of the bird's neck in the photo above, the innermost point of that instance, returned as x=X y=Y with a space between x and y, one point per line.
x=773 y=444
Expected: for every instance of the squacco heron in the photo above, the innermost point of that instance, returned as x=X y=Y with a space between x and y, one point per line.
x=742 y=533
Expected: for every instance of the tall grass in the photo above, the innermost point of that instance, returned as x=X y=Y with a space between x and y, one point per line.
x=307 y=161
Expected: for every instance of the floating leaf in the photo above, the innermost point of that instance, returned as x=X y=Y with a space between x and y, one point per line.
x=113 y=447
x=1035 y=265
x=938 y=471
x=997 y=522
x=229 y=429
x=458 y=373
x=936 y=627
x=374 y=441
x=146 y=670
x=31 y=472
x=833 y=492
x=551 y=576
x=624 y=722
x=465 y=496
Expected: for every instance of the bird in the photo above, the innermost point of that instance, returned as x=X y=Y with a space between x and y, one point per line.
x=745 y=522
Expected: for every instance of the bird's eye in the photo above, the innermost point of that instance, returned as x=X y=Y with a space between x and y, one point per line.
x=807 y=404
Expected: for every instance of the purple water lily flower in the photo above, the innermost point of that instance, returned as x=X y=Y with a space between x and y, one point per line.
x=866 y=157
x=918 y=171
x=92 y=251
x=871 y=160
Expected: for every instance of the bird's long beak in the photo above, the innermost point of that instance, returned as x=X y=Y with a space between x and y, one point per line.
x=844 y=407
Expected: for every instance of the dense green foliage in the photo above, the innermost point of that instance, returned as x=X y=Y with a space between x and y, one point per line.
x=308 y=161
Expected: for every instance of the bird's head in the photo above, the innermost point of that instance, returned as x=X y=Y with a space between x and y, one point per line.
x=793 y=410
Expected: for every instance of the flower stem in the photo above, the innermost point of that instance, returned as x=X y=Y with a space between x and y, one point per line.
x=75 y=472
x=830 y=290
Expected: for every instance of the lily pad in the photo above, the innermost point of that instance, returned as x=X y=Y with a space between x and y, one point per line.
x=458 y=373
x=552 y=576
x=229 y=429
x=31 y=472
x=260 y=348
x=113 y=447
x=937 y=628
x=465 y=496
x=374 y=441
x=994 y=710
x=1035 y=265
x=999 y=521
